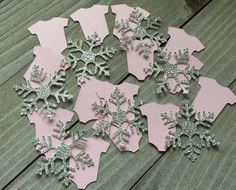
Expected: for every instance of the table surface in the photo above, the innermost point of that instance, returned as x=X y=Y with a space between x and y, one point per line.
x=213 y=22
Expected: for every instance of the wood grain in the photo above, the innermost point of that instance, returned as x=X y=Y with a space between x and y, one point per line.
x=118 y=170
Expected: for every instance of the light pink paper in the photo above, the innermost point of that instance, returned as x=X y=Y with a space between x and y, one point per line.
x=92 y=20
x=212 y=97
x=89 y=94
x=180 y=40
x=122 y=11
x=157 y=131
x=94 y=147
x=136 y=62
x=44 y=58
x=51 y=33
x=44 y=126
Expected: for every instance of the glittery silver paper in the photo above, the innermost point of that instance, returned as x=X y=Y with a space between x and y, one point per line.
x=194 y=130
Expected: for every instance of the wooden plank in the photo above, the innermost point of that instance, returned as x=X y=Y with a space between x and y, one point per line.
x=16 y=131
x=213 y=169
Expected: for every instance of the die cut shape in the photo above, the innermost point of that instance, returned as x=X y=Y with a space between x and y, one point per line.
x=180 y=40
x=136 y=62
x=90 y=93
x=122 y=11
x=94 y=147
x=47 y=60
x=51 y=33
x=212 y=96
x=44 y=127
x=179 y=43
x=92 y=20
x=157 y=130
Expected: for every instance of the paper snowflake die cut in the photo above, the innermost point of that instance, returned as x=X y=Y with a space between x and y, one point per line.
x=50 y=95
x=62 y=153
x=88 y=57
x=108 y=119
x=187 y=126
x=140 y=32
x=181 y=72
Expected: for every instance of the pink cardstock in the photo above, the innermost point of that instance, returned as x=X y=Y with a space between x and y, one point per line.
x=212 y=97
x=89 y=94
x=122 y=11
x=180 y=40
x=44 y=126
x=94 y=147
x=136 y=62
x=92 y=20
x=44 y=58
x=157 y=130
x=51 y=33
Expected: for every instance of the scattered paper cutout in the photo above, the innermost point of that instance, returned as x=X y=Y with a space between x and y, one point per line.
x=157 y=131
x=90 y=93
x=136 y=62
x=145 y=28
x=119 y=124
x=45 y=96
x=180 y=72
x=94 y=147
x=47 y=60
x=180 y=41
x=44 y=127
x=94 y=60
x=92 y=20
x=79 y=156
x=212 y=96
x=195 y=131
x=122 y=12
x=51 y=33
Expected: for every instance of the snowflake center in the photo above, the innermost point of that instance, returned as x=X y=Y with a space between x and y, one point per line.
x=43 y=92
x=171 y=70
x=63 y=152
x=189 y=128
x=88 y=57
x=139 y=32
x=119 y=117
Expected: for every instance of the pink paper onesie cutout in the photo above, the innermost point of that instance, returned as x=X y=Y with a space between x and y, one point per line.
x=157 y=130
x=136 y=62
x=47 y=60
x=92 y=20
x=51 y=33
x=212 y=97
x=92 y=91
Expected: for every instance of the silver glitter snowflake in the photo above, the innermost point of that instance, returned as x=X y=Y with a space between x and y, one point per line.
x=144 y=29
x=62 y=154
x=88 y=57
x=119 y=117
x=50 y=95
x=187 y=126
x=163 y=71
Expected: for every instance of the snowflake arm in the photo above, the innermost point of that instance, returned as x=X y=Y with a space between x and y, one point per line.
x=88 y=58
x=162 y=71
x=42 y=94
x=186 y=125
x=144 y=29
x=62 y=154
x=118 y=118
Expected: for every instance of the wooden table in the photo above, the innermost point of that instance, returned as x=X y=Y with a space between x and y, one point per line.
x=213 y=22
